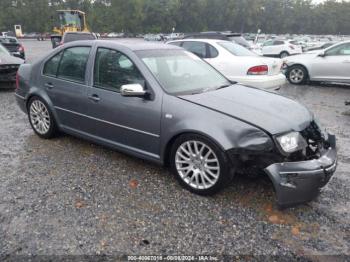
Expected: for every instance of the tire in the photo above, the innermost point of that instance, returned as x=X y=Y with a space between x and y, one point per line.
x=284 y=54
x=297 y=75
x=194 y=173
x=41 y=118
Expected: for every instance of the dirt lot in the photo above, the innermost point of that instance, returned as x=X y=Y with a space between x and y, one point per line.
x=69 y=197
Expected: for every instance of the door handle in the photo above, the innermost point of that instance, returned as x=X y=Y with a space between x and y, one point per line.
x=49 y=85
x=94 y=98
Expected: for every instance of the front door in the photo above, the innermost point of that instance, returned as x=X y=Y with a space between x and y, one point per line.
x=131 y=123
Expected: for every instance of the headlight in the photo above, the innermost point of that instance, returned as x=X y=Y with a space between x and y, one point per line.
x=291 y=142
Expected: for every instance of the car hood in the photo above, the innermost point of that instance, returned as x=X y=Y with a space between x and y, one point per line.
x=269 y=111
x=300 y=58
x=8 y=59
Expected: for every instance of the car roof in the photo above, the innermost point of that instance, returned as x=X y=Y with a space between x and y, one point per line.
x=209 y=41
x=134 y=45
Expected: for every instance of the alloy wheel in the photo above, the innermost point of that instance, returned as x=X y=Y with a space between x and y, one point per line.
x=296 y=75
x=39 y=117
x=197 y=165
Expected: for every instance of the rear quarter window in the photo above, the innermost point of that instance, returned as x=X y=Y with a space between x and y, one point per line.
x=51 y=66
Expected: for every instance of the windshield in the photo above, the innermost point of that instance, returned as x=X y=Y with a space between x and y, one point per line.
x=3 y=50
x=239 y=40
x=181 y=72
x=70 y=18
x=236 y=50
x=71 y=37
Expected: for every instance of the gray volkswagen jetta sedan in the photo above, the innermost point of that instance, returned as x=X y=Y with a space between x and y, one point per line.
x=164 y=104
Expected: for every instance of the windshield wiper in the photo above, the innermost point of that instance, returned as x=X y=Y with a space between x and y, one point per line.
x=211 y=89
x=223 y=86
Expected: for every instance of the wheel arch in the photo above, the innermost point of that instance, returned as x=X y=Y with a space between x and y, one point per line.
x=303 y=66
x=45 y=98
x=169 y=144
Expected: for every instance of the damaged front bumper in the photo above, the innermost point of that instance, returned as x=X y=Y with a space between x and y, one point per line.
x=299 y=182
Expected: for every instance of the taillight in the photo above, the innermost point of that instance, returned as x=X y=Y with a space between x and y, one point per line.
x=291 y=47
x=258 y=70
x=17 y=80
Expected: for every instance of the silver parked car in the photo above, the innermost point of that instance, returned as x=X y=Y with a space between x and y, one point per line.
x=164 y=104
x=329 y=65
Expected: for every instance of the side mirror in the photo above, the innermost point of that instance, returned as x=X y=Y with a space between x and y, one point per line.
x=322 y=54
x=133 y=90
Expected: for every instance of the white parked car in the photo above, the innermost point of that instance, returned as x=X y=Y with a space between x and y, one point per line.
x=281 y=48
x=237 y=63
x=329 y=65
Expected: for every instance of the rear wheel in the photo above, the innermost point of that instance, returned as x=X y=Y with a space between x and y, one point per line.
x=284 y=54
x=41 y=118
x=297 y=75
x=200 y=165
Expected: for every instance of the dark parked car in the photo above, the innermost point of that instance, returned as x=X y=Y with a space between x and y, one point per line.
x=8 y=65
x=164 y=104
x=13 y=46
x=237 y=38
x=71 y=37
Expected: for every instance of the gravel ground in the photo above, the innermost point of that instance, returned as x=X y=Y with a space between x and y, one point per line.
x=68 y=197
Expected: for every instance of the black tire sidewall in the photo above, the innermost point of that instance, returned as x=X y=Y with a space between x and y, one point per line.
x=226 y=169
x=53 y=127
x=284 y=52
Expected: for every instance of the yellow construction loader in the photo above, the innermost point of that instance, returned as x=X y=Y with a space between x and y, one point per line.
x=68 y=21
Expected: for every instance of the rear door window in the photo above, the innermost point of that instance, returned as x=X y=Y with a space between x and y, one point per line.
x=197 y=48
x=268 y=43
x=278 y=42
x=73 y=64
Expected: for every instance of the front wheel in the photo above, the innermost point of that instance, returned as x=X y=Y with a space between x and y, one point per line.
x=297 y=75
x=200 y=165
x=41 y=118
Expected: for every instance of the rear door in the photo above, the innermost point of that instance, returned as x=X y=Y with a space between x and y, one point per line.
x=65 y=83
x=334 y=66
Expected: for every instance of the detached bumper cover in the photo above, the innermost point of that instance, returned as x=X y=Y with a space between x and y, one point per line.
x=299 y=182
